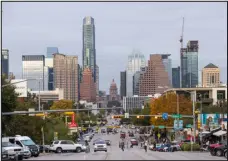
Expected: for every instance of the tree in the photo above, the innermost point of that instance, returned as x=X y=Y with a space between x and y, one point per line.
x=61 y=104
x=168 y=104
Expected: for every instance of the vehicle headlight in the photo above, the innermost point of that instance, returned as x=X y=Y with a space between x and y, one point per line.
x=26 y=148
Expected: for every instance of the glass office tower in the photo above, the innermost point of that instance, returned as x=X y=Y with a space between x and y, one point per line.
x=189 y=65
x=5 y=62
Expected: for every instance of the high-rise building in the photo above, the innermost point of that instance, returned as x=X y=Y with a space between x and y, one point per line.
x=155 y=80
x=168 y=65
x=49 y=64
x=97 y=80
x=135 y=61
x=113 y=92
x=210 y=76
x=189 y=65
x=136 y=79
x=51 y=51
x=88 y=49
x=87 y=86
x=33 y=71
x=66 y=75
x=5 y=62
x=123 y=84
x=176 y=77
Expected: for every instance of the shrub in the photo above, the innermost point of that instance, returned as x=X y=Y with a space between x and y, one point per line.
x=187 y=147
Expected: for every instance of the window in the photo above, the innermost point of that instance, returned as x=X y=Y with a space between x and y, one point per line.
x=69 y=142
x=63 y=142
x=19 y=143
x=56 y=142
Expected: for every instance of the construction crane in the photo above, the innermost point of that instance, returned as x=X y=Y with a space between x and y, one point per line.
x=182 y=34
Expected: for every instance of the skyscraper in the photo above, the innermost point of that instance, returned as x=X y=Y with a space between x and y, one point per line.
x=66 y=75
x=88 y=49
x=113 y=92
x=168 y=65
x=136 y=79
x=5 y=62
x=135 y=61
x=87 y=86
x=33 y=70
x=97 y=80
x=122 y=84
x=49 y=64
x=155 y=79
x=210 y=76
x=176 y=77
x=51 y=51
x=189 y=65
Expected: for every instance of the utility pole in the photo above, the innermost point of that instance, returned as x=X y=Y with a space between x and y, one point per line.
x=178 y=112
x=194 y=118
x=39 y=95
x=181 y=41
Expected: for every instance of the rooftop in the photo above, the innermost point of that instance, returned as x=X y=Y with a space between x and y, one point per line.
x=210 y=66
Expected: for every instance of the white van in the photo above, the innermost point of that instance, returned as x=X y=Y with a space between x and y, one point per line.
x=26 y=143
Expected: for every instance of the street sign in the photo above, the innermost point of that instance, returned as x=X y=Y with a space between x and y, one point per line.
x=176 y=116
x=165 y=116
x=175 y=125
x=126 y=115
x=161 y=127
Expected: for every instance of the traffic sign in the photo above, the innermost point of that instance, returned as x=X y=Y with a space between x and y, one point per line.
x=176 y=116
x=175 y=126
x=161 y=127
x=126 y=115
x=165 y=116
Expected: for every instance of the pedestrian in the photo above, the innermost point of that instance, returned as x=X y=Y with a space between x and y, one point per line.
x=122 y=145
x=145 y=145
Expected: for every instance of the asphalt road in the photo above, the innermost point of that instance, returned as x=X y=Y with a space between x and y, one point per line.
x=135 y=153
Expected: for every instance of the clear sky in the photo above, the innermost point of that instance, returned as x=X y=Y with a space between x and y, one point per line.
x=29 y=28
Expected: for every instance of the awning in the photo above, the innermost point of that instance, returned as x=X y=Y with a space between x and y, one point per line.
x=219 y=133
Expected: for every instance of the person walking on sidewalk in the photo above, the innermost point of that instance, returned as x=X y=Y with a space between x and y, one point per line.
x=145 y=145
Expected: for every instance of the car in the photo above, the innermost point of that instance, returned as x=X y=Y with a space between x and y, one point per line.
x=175 y=147
x=225 y=153
x=134 y=141
x=44 y=148
x=133 y=127
x=122 y=135
x=5 y=155
x=29 y=147
x=100 y=146
x=214 y=147
x=103 y=131
x=131 y=134
x=59 y=146
x=96 y=140
x=14 y=151
x=108 y=142
x=219 y=151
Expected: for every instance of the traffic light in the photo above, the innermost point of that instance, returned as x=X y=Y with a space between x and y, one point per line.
x=140 y=117
x=117 y=116
x=68 y=113
x=199 y=124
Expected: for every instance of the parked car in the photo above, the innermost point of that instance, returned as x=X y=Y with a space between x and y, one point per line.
x=108 y=142
x=5 y=155
x=100 y=146
x=225 y=153
x=214 y=147
x=44 y=148
x=14 y=151
x=175 y=147
x=103 y=131
x=59 y=146
x=134 y=141
x=131 y=134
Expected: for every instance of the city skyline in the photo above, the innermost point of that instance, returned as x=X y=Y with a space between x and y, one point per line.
x=116 y=34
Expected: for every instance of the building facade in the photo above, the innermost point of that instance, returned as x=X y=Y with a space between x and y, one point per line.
x=21 y=87
x=210 y=76
x=189 y=65
x=123 y=84
x=46 y=96
x=87 y=86
x=130 y=103
x=136 y=79
x=176 y=77
x=51 y=51
x=33 y=71
x=97 y=80
x=168 y=66
x=135 y=61
x=66 y=75
x=113 y=92
x=5 y=62
x=155 y=79
x=88 y=49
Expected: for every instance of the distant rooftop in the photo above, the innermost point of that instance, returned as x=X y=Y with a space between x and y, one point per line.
x=210 y=66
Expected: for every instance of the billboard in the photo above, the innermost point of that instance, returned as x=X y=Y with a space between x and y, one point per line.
x=20 y=87
x=210 y=119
